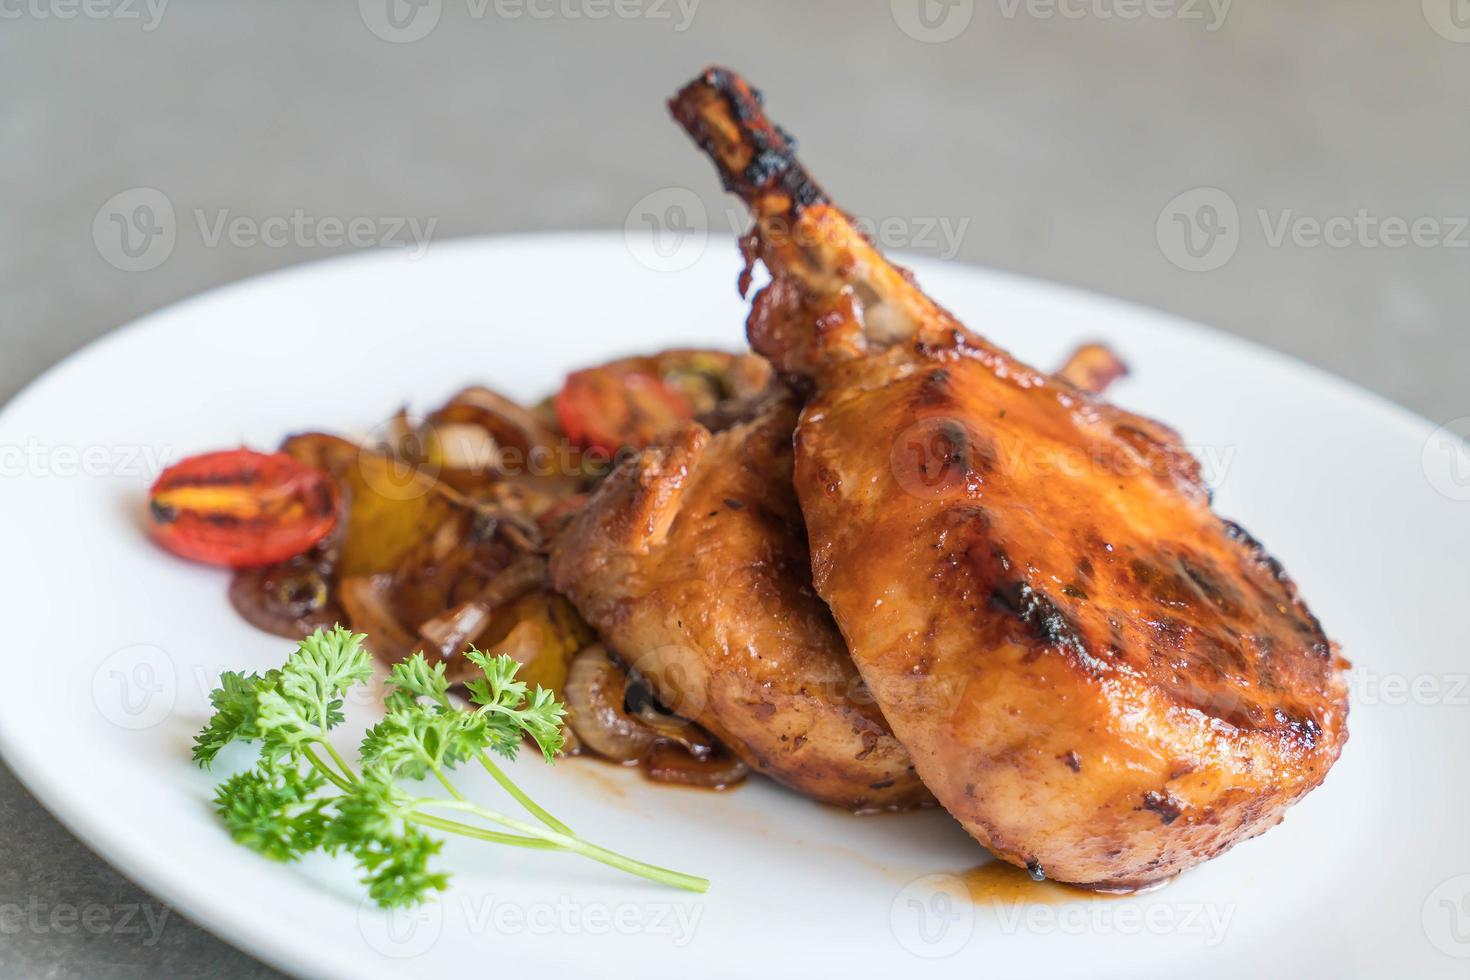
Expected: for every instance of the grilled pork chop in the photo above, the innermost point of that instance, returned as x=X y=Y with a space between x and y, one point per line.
x=691 y=561
x=1102 y=680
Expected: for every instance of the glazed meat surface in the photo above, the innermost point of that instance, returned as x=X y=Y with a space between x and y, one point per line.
x=691 y=562
x=1100 y=678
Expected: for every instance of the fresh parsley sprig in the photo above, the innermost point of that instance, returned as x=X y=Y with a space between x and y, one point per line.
x=303 y=796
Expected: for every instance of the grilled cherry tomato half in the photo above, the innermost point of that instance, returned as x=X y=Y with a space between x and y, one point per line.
x=610 y=409
x=241 y=508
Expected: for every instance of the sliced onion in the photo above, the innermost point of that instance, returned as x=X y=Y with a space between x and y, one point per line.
x=461 y=446
x=670 y=763
x=449 y=633
x=517 y=528
x=595 y=693
x=642 y=703
x=505 y=421
x=366 y=600
x=614 y=715
x=481 y=433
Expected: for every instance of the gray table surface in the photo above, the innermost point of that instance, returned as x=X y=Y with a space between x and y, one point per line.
x=1053 y=141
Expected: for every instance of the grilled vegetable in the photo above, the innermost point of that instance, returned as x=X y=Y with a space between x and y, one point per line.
x=242 y=509
x=627 y=403
x=609 y=408
x=392 y=506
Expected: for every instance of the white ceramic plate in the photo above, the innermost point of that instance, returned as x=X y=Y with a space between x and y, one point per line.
x=1370 y=876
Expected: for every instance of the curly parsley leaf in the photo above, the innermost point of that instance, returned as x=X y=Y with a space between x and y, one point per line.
x=372 y=825
x=318 y=675
x=414 y=678
x=511 y=710
x=235 y=712
x=371 y=808
x=306 y=700
x=272 y=809
x=397 y=867
x=411 y=742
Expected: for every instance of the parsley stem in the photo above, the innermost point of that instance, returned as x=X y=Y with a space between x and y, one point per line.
x=576 y=845
x=497 y=774
x=444 y=781
x=507 y=784
x=325 y=770
x=479 y=833
x=346 y=769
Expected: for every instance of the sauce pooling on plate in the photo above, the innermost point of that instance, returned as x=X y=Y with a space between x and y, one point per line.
x=999 y=883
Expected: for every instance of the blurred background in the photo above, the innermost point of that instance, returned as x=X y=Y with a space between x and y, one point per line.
x=1293 y=173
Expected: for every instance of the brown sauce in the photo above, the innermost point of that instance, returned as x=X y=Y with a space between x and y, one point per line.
x=999 y=883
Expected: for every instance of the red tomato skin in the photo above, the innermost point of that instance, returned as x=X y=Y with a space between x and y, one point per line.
x=242 y=509
x=610 y=410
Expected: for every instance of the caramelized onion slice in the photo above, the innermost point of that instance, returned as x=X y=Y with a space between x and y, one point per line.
x=612 y=713
x=595 y=692
x=449 y=632
x=670 y=763
x=506 y=422
x=483 y=442
x=642 y=703
x=369 y=609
